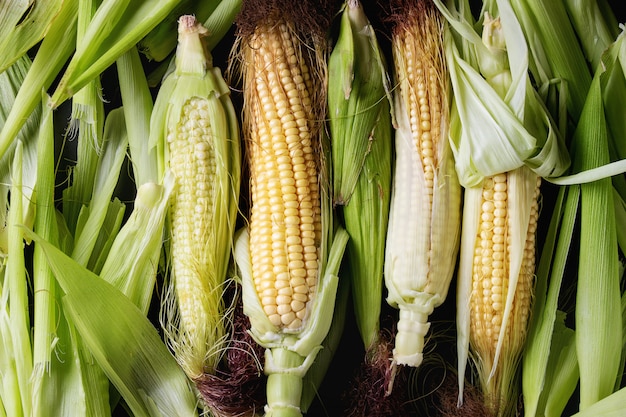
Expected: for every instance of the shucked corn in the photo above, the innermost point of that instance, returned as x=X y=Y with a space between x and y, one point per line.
x=288 y=254
x=491 y=264
x=285 y=219
x=497 y=330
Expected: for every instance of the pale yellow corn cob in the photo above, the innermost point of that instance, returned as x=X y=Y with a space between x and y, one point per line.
x=194 y=127
x=285 y=220
x=289 y=253
x=496 y=349
x=192 y=161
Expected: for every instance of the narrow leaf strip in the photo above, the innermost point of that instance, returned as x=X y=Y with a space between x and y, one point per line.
x=55 y=48
x=110 y=163
x=598 y=308
x=137 y=105
x=551 y=269
x=45 y=308
x=114 y=29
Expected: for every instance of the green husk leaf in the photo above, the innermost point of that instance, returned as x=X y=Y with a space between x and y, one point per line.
x=221 y=20
x=16 y=292
x=316 y=373
x=122 y=340
x=57 y=384
x=598 y=308
x=111 y=225
x=358 y=94
x=86 y=122
x=11 y=81
x=496 y=131
x=611 y=406
x=161 y=41
x=562 y=371
x=109 y=165
x=115 y=28
x=10 y=14
x=44 y=285
x=360 y=127
x=132 y=267
x=595 y=25
x=555 y=51
x=54 y=50
x=137 y=105
x=550 y=270
x=10 y=387
x=23 y=24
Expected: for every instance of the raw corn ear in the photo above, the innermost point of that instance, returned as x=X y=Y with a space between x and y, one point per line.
x=289 y=254
x=502 y=215
x=196 y=133
x=425 y=213
x=504 y=140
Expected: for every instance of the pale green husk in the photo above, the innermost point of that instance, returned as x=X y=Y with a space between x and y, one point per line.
x=116 y=26
x=23 y=23
x=491 y=132
x=122 y=340
x=54 y=50
x=360 y=133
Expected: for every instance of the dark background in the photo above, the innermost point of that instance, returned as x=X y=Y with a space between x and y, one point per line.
x=340 y=377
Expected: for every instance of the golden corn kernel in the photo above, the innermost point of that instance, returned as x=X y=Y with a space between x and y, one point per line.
x=285 y=217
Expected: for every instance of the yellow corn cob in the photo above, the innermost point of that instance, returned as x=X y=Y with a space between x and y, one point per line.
x=287 y=266
x=506 y=206
x=194 y=124
x=285 y=220
x=496 y=270
x=424 y=223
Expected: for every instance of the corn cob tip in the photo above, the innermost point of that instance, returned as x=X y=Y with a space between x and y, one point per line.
x=189 y=24
x=192 y=55
x=311 y=17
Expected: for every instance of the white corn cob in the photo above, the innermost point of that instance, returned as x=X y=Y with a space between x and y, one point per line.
x=424 y=221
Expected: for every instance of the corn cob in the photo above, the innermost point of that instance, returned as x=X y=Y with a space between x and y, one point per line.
x=194 y=127
x=497 y=261
x=424 y=220
x=289 y=282
x=499 y=226
x=501 y=219
x=291 y=175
